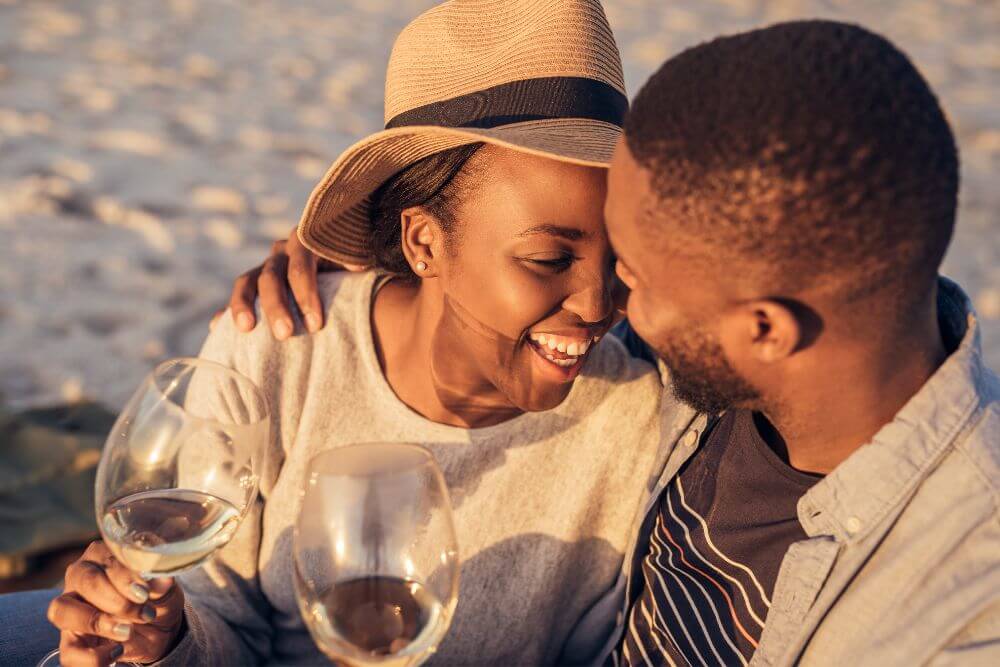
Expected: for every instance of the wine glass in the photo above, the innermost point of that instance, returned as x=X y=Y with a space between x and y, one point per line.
x=179 y=469
x=375 y=555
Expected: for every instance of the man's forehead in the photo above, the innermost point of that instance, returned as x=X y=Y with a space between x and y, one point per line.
x=628 y=182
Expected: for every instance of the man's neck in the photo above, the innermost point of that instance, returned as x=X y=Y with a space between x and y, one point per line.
x=846 y=399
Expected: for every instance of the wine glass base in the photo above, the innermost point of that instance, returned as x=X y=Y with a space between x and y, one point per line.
x=51 y=659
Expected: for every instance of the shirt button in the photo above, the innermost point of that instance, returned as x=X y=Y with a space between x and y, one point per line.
x=853 y=525
x=690 y=439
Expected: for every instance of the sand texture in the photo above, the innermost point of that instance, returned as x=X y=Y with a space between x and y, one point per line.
x=150 y=150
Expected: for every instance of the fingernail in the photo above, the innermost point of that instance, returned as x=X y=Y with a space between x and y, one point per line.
x=116 y=652
x=244 y=321
x=312 y=322
x=282 y=329
x=122 y=631
x=139 y=592
x=148 y=613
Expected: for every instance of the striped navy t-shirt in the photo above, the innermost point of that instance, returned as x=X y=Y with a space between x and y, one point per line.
x=723 y=527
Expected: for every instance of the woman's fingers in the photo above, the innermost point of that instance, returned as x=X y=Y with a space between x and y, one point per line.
x=302 y=269
x=90 y=581
x=242 y=298
x=160 y=586
x=129 y=584
x=108 y=611
x=70 y=613
x=87 y=651
x=271 y=285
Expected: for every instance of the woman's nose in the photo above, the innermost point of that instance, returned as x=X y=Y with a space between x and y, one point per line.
x=593 y=303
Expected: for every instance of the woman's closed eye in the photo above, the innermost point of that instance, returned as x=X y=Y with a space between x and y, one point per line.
x=556 y=262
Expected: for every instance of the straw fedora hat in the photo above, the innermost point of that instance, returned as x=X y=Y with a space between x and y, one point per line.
x=539 y=76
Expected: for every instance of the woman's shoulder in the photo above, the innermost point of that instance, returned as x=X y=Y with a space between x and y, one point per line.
x=343 y=295
x=343 y=292
x=610 y=359
x=618 y=387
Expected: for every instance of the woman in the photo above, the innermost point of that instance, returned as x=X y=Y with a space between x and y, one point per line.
x=481 y=206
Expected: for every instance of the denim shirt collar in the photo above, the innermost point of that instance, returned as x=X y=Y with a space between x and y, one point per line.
x=878 y=477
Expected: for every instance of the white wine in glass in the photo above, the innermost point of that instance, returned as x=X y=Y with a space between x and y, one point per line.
x=376 y=559
x=179 y=469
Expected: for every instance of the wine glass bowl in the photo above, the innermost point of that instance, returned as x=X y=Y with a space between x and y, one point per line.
x=179 y=469
x=375 y=554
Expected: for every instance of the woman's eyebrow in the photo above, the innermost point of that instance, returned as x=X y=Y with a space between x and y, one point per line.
x=568 y=233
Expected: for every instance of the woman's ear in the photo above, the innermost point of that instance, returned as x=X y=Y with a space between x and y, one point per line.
x=422 y=241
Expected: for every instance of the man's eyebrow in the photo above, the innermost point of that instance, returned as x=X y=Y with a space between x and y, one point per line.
x=568 y=233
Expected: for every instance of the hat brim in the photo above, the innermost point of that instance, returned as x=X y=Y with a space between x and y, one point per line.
x=335 y=223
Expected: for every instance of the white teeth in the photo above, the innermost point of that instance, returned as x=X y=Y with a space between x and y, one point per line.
x=572 y=347
x=560 y=362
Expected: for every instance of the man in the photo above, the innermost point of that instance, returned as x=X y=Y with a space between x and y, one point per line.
x=800 y=183
x=780 y=206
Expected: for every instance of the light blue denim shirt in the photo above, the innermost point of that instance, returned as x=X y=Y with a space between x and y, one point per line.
x=902 y=561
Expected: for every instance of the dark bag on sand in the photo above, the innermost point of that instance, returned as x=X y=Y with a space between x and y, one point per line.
x=48 y=458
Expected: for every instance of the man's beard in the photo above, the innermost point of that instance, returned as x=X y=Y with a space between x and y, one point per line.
x=700 y=374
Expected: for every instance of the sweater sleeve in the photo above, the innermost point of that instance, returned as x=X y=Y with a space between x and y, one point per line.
x=227 y=616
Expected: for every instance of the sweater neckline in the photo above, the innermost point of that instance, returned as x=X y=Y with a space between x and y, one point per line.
x=384 y=392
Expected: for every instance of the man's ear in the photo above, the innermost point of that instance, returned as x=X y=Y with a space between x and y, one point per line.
x=764 y=331
x=422 y=241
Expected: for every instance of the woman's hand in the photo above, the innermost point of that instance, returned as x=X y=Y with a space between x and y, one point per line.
x=290 y=264
x=107 y=613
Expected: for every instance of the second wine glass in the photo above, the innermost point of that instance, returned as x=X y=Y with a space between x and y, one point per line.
x=376 y=559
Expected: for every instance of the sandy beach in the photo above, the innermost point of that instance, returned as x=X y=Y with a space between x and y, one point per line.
x=153 y=149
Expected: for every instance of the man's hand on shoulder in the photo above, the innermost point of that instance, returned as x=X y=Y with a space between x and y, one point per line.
x=290 y=265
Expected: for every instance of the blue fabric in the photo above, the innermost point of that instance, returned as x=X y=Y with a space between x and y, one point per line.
x=25 y=633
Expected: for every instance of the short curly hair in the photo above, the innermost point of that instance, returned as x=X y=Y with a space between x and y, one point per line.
x=806 y=151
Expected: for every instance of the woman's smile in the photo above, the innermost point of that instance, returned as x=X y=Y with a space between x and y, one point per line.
x=562 y=357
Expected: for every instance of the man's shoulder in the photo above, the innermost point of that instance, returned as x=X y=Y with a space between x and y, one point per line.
x=979 y=444
x=960 y=497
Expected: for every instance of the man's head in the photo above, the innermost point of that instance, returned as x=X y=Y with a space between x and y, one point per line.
x=774 y=190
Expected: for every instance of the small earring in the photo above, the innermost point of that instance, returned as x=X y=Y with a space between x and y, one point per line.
x=421 y=266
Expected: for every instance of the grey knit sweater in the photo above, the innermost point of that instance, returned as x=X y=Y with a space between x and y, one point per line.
x=544 y=503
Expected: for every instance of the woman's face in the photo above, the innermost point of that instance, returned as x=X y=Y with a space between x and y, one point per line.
x=526 y=275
